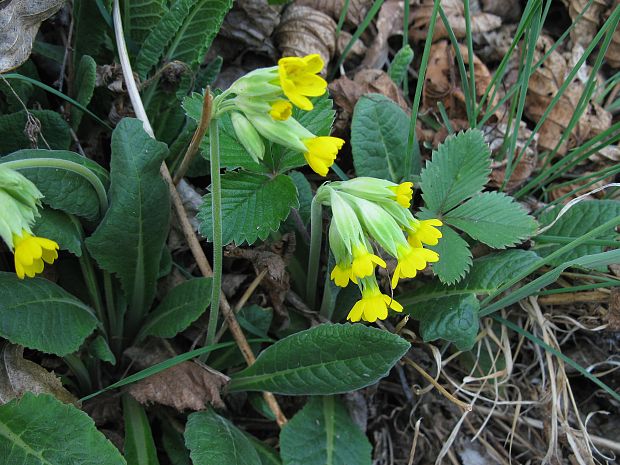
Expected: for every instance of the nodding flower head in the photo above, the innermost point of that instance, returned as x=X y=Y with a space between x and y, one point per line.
x=299 y=80
x=30 y=253
x=374 y=304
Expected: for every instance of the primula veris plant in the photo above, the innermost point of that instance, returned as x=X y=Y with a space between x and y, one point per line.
x=20 y=201
x=371 y=216
x=261 y=103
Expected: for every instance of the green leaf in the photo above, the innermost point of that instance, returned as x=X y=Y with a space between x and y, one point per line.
x=85 y=79
x=459 y=168
x=40 y=430
x=174 y=445
x=304 y=191
x=400 y=65
x=578 y=220
x=64 y=190
x=323 y=433
x=487 y=274
x=59 y=227
x=40 y=315
x=453 y=318
x=493 y=218
x=319 y=121
x=253 y=205
x=454 y=256
x=378 y=138
x=92 y=34
x=130 y=238
x=141 y=17
x=100 y=349
x=326 y=359
x=268 y=456
x=139 y=444
x=55 y=131
x=213 y=440
x=179 y=309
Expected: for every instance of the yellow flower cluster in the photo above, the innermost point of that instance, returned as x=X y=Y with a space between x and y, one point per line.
x=369 y=212
x=262 y=102
x=19 y=203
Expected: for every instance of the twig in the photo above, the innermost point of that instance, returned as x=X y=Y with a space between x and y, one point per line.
x=177 y=202
x=194 y=145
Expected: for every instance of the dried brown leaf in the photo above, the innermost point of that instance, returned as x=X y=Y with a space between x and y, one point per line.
x=613 y=52
x=543 y=87
x=187 y=386
x=508 y=10
x=613 y=315
x=304 y=30
x=586 y=28
x=557 y=192
x=389 y=23
x=19 y=23
x=18 y=376
x=355 y=14
x=454 y=9
x=251 y=23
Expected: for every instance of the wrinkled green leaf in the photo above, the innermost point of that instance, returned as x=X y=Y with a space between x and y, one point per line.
x=378 y=138
x=253 y=205
x=141 y=17
x=100 y=349
x=459 y=168
x=179 y=309
x=40 y=315
x=85 y=80
x=139 y=444
x=454 y=256
x=493 y=218
x=213 y=440
x=40 y=430
x=326 y=359
x=59 y=227
x=323 y=433
x=54 y=134
x=130 y=238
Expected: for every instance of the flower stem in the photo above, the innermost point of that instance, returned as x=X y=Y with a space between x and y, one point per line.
x=216 y=211
x=58 y=163
x=316 y=226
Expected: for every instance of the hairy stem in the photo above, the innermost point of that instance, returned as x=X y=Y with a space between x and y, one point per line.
x=316 y=224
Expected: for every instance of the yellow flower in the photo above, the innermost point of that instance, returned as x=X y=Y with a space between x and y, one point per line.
x=410 y=261
x=299 y=80
x=364 y=263
x=373 y=305
x=403 y=193
x=424 y=232
x=281 y=110
x=30 y=253
x=322 y=152
x=341 y=274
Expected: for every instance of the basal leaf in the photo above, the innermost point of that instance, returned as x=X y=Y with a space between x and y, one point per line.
x=180 y=308
x=54 y=134
x=323 y=433
x=139 y=444
x=92 y=34
x=141 y=17
x=59 y=227
x=40 y=315
x=493 y=218
x=578 y=220
x=213 y=440
x=130 y=238
x=378 y=138
x=253 y=205
x=459 y=168
x=64 y=190
x=454 y=256
x=453 y=318
x=85 y=79
x=100 y=349
x=327 y=359
x=40 y=430
x=268 y=455
x=487 y=274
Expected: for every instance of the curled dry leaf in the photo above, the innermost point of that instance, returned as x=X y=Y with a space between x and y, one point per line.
x=187 y=386
x=557 y=192
x=304 y=30
x=608 y=156
x=251 y=23
x=18 y=376
x=439 y=137
x=389 y=23
x=586 y=28
x=495 y=136
x=19 y=23
x=355 y=14
x=442 y=81
x=494 y=45
x=346 y=92
x=455 y=12
x=543 y=87
x=613 y=51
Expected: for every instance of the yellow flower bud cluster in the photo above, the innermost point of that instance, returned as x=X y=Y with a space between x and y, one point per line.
x=370 y=214
x=19 y=203
x=261 y=104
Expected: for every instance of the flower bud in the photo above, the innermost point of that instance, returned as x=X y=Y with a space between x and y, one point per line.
x=19 y=201
x=247 y=135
